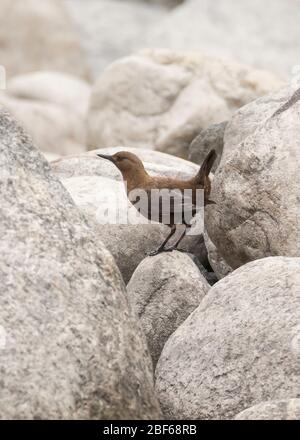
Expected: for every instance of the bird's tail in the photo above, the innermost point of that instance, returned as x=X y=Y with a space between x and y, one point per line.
x=206 y=167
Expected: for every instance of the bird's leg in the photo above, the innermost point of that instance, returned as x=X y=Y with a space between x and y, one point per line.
x=162 y=246
x=175 y=246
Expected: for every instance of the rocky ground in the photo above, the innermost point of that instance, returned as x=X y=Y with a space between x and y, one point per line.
x=91 y=327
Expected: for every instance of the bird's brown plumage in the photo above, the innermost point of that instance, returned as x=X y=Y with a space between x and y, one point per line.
x=136 y=177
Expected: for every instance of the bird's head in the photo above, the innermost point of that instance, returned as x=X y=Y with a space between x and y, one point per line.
x=128 y=163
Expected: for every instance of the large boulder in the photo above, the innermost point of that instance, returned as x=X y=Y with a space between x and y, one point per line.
x=276 y=410
x=112 y=29
x=51 y=86
x=39 y=35
x=238 y=348
x=52 y=107
x=256 y=188
x=248 y=31
x=162 y=99
x=73 y=348
x=95 y=184
x=164 y=290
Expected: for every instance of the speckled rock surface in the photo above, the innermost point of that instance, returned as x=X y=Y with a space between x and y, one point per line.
x=276 y=410
x=164 y=290
x=256 y=187
x=240 y=347
x=72 y=347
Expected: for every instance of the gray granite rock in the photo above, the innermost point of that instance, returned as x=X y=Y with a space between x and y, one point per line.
x=238 y=348
x=161 y=100
x=256 y=187
x=52 y=107
x=164 y=290
x=217 y=262
x=39 y=35
x=275 y=410
x=155 y=162
x=72 y=348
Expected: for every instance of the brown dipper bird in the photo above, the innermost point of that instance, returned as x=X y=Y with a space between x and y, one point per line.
x=137 y=178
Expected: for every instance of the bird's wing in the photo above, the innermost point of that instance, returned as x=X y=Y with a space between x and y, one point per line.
x=160 y=205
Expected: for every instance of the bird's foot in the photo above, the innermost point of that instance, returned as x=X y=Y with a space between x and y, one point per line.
x=153 y=253
x=161 y=250
x=158 y=251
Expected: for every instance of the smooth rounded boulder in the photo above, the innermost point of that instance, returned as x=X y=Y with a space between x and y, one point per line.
x=161 y=99
x=238 y=348
x=274 y=410
x=112 y=29
x=70 y=345
x=164 y=290
x=256 y=186
x=52 y=107
x=39 y=35
x=247 y=31
x=60 y=88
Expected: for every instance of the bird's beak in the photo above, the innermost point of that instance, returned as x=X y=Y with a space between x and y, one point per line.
x=107 y=157
x=210 y=202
